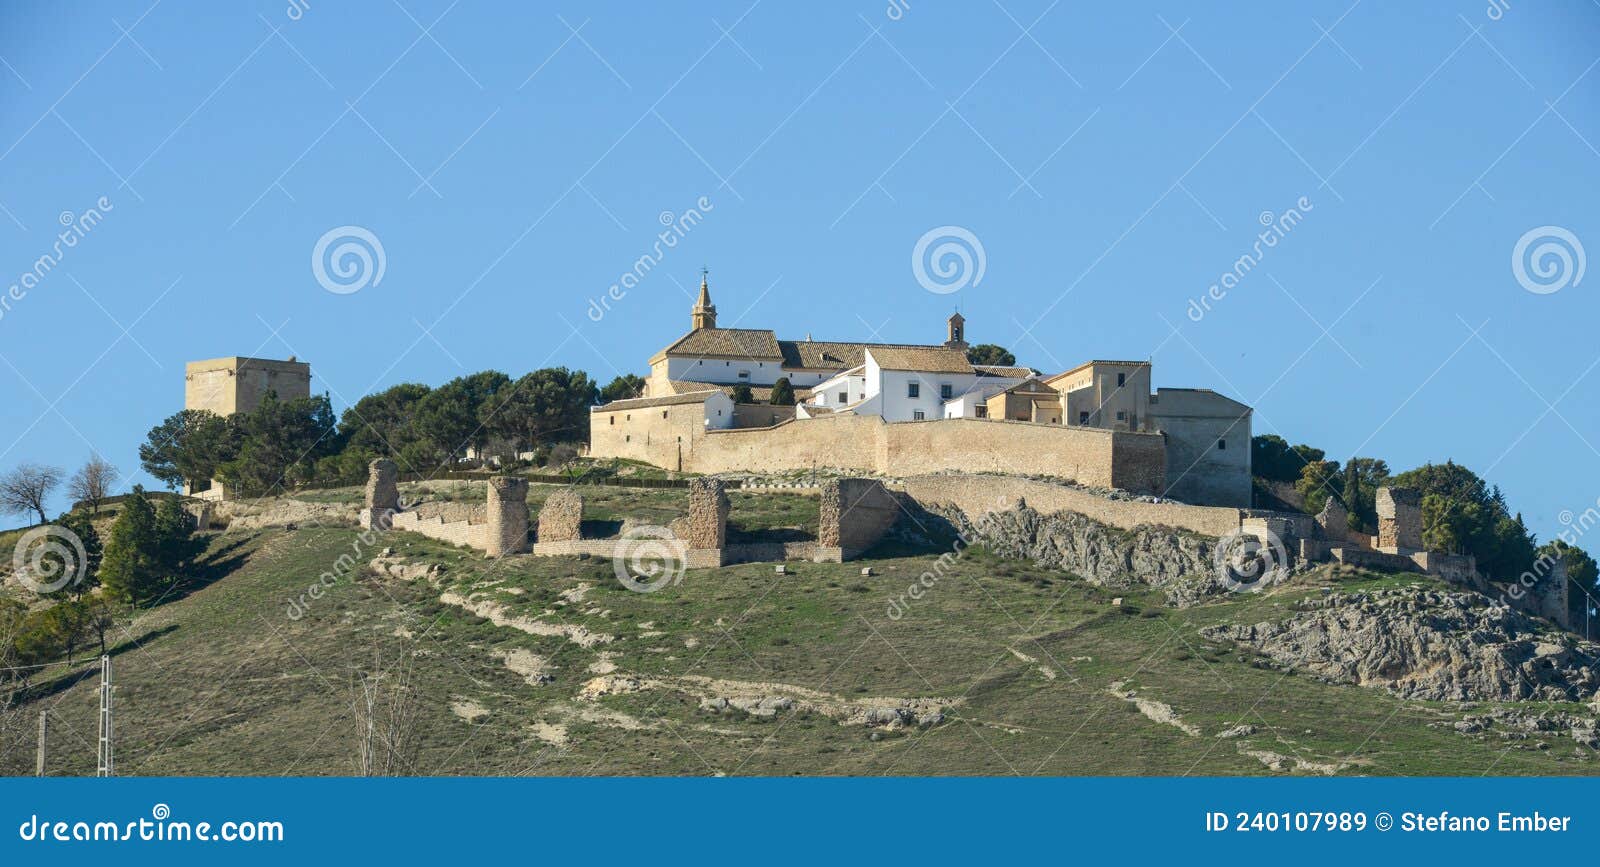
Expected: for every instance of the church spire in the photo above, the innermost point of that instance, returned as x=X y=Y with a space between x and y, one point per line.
x=704 y=314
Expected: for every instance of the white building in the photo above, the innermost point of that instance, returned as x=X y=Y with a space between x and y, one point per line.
x=1207 y=434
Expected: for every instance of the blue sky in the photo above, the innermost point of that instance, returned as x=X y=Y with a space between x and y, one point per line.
x=1114 y=161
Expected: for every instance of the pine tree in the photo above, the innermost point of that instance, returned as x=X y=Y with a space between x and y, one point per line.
x=131 y=569
x=174 y=529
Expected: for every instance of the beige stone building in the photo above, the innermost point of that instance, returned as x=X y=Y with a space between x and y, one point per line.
x=858 y=405
x=237 y=384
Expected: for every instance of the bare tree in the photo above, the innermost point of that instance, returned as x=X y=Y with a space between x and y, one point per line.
x=13 y=716
x=386 y=718
x=25 y=489
x=93 y=481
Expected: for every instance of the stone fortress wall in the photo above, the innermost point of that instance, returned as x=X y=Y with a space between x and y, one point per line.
x=855 y=513
x=676 y=438
x=975 y=495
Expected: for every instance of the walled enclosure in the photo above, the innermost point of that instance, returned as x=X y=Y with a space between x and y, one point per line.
x=504 y=529
x=1091 y=456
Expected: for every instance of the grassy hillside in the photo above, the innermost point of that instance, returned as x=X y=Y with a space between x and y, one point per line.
x=1039 y=672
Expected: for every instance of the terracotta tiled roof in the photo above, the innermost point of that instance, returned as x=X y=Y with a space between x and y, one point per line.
x=664 y=400
x=1000 y=370
x=821 y=354
x=930 y=359
x=757 y=344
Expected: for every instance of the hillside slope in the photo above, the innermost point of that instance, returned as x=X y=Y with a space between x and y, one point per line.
x=550 y=666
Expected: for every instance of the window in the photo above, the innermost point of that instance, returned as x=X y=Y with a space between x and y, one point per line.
x=629 y=417
x=1054 y=420
x=844 y=397
x=1122 y=415
x=944 y=390
x=1222 y=445
x=918 y=415
x=627 y=438
x=1083 y=418
x=983 y=411
x=744 y=374
x=613 y=419
x=913 y=389
x=1122 y=379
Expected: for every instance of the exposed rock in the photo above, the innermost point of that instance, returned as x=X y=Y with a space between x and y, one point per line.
x=1512 y=724
x=1243 y=730
x=1426 y=644
x=1159 y=556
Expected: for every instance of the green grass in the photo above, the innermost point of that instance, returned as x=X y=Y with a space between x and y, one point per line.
x=221 y=681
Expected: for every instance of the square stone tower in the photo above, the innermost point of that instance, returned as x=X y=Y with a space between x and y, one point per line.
x=237 y=384
x=1399 y=520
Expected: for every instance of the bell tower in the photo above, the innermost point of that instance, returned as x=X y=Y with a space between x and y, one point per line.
x=704 y=314
x=956 y=328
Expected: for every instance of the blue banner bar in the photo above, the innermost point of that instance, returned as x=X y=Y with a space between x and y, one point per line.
x=1313 y=821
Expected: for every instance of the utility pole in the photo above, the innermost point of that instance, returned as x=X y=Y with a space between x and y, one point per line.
x=107 y=767
x=38 y=757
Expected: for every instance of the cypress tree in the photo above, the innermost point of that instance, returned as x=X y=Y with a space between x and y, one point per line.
x=132 y=569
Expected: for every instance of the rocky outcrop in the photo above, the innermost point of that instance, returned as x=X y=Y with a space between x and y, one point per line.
x=1426 y=644
x=1176 y=561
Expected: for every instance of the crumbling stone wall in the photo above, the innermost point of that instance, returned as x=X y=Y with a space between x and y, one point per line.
x=855 y=513
x=978 y=494
x=1549 y=597
x=706 y=526
x=508 y=515
x=561 y=517
x=1334 y=521
x=383 y=493
x=1399 y=520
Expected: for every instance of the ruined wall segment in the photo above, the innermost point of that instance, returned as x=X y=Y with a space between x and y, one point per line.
x=854 y=515
x=704 y=530
x=382 y=494
x=508 y=516
x=561 y=517
x=1399 y=520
